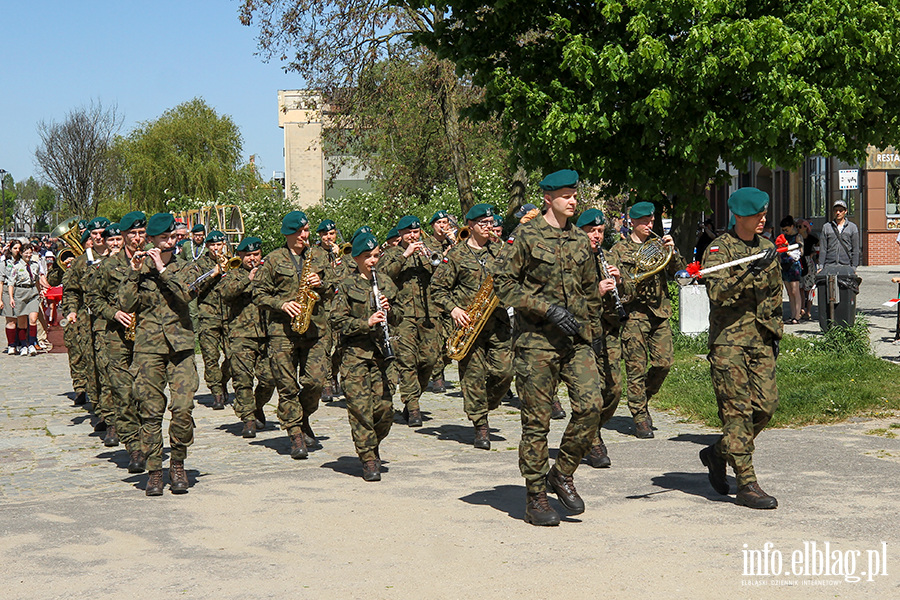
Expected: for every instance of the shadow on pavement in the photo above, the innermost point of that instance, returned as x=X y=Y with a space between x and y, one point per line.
x=511 y=500
x=119 y=457
x=695 y=484
x=624 y=425
x=703 y=439
x=348 y=465
x=457 y=433
x=281 y=444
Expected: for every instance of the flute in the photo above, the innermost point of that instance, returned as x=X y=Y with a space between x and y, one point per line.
x=376 y=298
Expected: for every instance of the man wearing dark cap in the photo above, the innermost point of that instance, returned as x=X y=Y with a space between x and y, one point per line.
x=328 y=233
x=411 y=265
x=392 y=239
x=211 y=322
x=647 y=331
x=246 y=339
x=298 y=360
x=745 y=327
x=839 y=243
x=547 y=276
x=157 y=291
x=486 y=370
x=104 y=300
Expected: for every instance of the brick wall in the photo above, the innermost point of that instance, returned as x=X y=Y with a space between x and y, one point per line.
x=882 y=249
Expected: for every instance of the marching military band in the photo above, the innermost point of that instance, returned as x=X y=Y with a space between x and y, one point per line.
x=360 y=318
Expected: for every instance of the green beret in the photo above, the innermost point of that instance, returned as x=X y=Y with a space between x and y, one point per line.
x=498 y=221
x=98 y=223
x=409 y=222
x=214 y=236
x=293 y=222
x=591 y=216
x=392 y=234
x=748 y=201
x=326 y=226
x=566 y=178
x=82 y=224
x=249 y=244
x=731 y=222
x=113 y=229
x=160 y=223
x=199 y=228
x=180 y=243
x=641 y=209
x=363 y=243
x=441 y=214
x=478 y=211
x=360 y=231
x=133 y=220
x=85 y=236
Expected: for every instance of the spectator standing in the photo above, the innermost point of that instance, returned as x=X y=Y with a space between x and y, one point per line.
x=839 y=244
x=808 y=267
x=791 y=271
x=23 y=284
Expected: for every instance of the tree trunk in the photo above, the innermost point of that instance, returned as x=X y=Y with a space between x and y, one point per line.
x=685 y=225
x=517 y=190
x=446 y=87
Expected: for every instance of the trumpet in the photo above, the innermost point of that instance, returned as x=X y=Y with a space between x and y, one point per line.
x=224 y=263
x=466 y=231
x=436 y=258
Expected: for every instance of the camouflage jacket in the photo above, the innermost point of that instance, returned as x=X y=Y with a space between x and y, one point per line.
x=412 y=277
x=160 y=301
x=651 y=296
x=744 y=310
x=458 y=280
x=610 y=313
x=278 y=281
x=338 y=263
x=352 y=308
x=103 y=296
x=548 y=266
x=186 y=253
x=55 y=275
x=79 y=285
x=244 y=319
x=209 y=303
x=445 y=245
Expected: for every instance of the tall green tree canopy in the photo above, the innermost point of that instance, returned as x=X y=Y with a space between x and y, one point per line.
x=190 y=150
x=650 y=95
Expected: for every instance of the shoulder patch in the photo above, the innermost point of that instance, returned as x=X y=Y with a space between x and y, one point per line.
x=713 y=248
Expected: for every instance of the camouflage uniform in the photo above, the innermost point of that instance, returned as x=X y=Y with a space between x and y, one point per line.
x=744 y=323
x=106 y=410
x=246 y=345
x=189 y=254
x=103 y=300
x=363 y=369
x=609 y=362
x=339 y=270
x=163 y=355
x=211 y=319
x=77 y=287
x=75 y=334
x=446 y=326
x=487 y=369
x=548 y=266
x=647 y=329
x=418 y=335
x=277 y=282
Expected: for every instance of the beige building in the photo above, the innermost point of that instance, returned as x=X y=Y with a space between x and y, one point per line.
x=302 y=115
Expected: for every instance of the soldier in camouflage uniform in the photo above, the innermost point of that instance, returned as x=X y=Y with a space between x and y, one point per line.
x=419 y=342
x=593 y=223
x=486 y=370
x=444 y=238
x=745 y=327
x=247 y=339
x=104 y=300
x=190 y=251
x=647 y=330
x=360 y=325
x=157 y=290
x=69 y=307
x=328 y=232
x=548 y=278
x=211 y=319
x=275 y=289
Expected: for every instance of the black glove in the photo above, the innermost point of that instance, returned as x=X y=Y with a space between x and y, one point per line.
x=564 y=320
x=759 y=265
x=776 y=348
x=598 y=345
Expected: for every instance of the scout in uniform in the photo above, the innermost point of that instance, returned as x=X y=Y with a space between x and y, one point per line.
x=247 y=339
x=411 y=265
x=298 y=360
x=211 y=319
x=546 y=275
x=486 y=370
x=647 y=331
x=157 y=291
x=327 y=231
x=360 y=321
x=745 y=327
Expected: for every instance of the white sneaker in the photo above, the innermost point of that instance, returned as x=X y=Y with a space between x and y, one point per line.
x=32 y=351
x=23 y=351
x=11 y=350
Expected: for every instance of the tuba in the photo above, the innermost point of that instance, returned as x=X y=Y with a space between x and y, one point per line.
x=479 y=310
x=651 y=258
x=68 y=231
x=306 y=297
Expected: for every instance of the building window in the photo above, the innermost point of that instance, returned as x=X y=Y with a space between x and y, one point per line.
x=817 y=190
x=892 y=204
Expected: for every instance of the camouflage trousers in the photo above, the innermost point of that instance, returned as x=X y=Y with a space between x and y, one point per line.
x=299 y=368
x=609 y=364
x=333 y=350
x=644 y=335
x=152 y=373
x=104 y=403
x=370 y=408
x=445 y=330
x=73 y=337
x=486 y=372
x=417 y=350
x=212 y=343
x=128 y=422
x=747 y=396
x=538 y=372
x=249 y=362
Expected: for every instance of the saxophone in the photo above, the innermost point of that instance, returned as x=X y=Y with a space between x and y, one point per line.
x=306 y=297
x=131 y=330
x=479 y=311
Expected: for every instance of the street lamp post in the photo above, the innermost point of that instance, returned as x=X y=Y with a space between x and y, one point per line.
x=3 y=200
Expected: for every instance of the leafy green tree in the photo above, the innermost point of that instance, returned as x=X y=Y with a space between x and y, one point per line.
x=655 y=98
x=190 y=150
x=35 y=203
x=8 y=201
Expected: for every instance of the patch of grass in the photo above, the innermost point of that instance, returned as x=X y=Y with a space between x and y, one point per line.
x=882 y=432
x=895 y=426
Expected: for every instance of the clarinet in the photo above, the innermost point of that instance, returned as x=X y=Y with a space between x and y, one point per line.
x=386 y=344
x=603 y=272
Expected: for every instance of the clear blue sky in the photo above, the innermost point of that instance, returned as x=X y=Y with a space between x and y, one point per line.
x=143 y=56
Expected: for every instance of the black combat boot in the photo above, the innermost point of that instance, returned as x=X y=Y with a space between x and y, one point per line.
x=154 y=483
x=371 y=470
x=643 y=430
x=538 y=510
x=752 y=496
x=260 y=415
x=298 y=447
x=138 y=462
x=80 y=399
x=112 y=438
x=327 y=393
x=716 y=465
x=599 y=458
x=249 y=430
x=564 y=487
x=482 y=437
x=438 y=385
x=308 y=436
x=556 y=410
x=218 y=402
x=415 y=418
x=178 y=481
